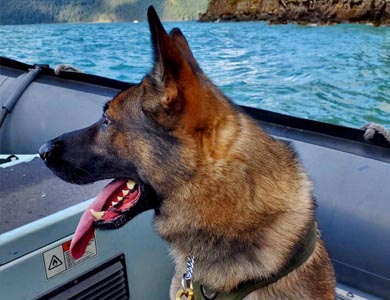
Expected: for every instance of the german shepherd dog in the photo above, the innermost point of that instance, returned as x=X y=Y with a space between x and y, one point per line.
x=222 y=190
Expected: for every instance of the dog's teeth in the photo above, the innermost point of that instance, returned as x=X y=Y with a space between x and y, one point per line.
x=119 y=198
x=97 y=214
x=125 y=192
x=113 y=203
x=130 y=184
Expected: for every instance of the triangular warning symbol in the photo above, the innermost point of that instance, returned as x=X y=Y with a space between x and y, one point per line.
x=54 y=262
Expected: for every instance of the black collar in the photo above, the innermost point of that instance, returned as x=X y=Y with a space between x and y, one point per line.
x=301 y=253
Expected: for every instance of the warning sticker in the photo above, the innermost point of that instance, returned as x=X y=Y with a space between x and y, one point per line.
x=54 y=263
x=58 y=259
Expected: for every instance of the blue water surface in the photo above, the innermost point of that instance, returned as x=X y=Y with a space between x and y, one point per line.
x=338 y=74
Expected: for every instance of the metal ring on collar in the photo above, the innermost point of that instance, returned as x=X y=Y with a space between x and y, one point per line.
x=207 y=293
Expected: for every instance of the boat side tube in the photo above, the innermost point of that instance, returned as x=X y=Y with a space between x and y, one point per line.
x=12 y=94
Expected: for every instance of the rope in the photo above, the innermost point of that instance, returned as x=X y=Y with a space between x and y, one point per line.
x=372 y=128
x=8 y=159
x=65 y=68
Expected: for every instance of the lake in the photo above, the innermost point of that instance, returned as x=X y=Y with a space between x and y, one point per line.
x=338 y=74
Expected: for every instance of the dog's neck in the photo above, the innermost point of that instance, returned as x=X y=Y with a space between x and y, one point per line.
x=300 y=254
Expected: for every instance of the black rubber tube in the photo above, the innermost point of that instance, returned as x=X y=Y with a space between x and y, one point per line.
x=15 y=90
x=3 y=115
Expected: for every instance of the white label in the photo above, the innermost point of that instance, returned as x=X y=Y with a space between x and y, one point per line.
x=58 y=259
x=54 y=261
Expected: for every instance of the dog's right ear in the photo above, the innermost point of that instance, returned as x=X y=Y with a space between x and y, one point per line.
x=173 y=70
x=169 y=62
x=159 y=39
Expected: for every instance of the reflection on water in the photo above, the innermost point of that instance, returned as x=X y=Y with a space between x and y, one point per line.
x=338 y=74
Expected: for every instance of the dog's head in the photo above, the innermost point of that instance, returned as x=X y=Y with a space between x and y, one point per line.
x=139 y=139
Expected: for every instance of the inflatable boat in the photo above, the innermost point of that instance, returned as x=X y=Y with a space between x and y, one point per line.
x=39 y=212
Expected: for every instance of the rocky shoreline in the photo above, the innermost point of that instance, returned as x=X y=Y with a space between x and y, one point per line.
x=376 y=12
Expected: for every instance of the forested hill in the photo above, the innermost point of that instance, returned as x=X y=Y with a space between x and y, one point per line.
x=60 y=11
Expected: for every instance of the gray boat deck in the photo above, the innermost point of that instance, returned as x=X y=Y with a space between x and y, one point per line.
x=30 y=191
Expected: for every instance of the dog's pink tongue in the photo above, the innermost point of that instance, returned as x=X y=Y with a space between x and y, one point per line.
x=84 y=231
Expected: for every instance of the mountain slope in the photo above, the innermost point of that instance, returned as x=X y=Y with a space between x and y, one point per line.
x=60 y=11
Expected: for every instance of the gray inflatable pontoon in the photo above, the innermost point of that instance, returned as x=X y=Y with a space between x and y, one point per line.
x=39 y=212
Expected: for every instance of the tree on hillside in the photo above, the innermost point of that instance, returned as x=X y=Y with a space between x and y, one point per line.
x=62 y=11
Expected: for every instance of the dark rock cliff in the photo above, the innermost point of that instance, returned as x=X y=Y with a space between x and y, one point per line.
x=376 y=12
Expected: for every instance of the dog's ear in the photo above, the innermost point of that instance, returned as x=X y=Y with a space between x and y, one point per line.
x=181 y=43
x=171 y=67
x=160 y=41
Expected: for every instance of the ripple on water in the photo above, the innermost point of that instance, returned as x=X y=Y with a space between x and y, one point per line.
x=338 y=74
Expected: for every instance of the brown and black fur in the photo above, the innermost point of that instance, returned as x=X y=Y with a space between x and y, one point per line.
x=226 y=192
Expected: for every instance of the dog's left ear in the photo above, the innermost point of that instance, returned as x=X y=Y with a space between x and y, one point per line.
x=181 y=43
x=173 y=67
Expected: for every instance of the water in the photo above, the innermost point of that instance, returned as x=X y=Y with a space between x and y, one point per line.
x=338 y=74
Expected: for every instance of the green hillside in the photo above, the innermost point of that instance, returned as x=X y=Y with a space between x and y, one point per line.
x=60 y=11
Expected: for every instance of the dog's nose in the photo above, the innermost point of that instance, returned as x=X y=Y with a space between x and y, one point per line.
x=44 y=151
x=48 y=150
